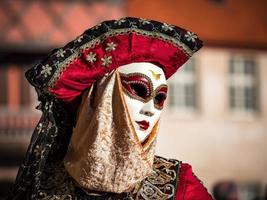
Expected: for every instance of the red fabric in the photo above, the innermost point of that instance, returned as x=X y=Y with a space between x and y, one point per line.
x=81 y=74
x=189 y=187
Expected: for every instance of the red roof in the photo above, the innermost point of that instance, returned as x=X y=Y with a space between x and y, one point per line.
x=46 y=24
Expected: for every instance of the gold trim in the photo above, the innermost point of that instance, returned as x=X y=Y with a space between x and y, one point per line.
x=153 y=92
x=136 y=97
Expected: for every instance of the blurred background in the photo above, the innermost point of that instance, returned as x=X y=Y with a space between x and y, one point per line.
x=216 y=114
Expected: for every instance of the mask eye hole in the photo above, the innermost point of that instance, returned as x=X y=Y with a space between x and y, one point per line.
x=139 y=90
x=160 y=97
x=137 y=86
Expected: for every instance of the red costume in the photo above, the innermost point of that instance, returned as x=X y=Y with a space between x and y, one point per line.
x=190 y=187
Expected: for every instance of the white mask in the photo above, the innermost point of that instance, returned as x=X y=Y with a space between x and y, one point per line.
x=145 y=89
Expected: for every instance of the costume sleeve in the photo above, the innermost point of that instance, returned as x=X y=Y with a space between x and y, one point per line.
x=189 y=186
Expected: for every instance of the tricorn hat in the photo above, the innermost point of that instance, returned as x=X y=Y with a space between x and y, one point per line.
x=68 y=71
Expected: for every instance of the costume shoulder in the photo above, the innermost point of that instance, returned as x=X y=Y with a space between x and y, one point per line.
x=189 y=186
x=162 y=183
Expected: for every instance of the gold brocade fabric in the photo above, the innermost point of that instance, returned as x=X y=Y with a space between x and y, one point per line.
x=160 y=185
x=105 y=153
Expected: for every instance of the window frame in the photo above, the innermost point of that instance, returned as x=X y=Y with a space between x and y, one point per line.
x=241 y=82
x=185 y=78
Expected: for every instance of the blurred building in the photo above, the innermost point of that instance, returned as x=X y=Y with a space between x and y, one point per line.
x=216 y=117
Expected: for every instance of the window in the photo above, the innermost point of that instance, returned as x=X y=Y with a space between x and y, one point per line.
x=243 y=84
x=182 y=87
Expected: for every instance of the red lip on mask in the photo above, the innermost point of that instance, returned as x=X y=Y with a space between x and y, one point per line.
x=143 y=124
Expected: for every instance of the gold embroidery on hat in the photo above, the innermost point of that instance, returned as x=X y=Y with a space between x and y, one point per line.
x=79 y=39
x=167 y=27
x=190 y=36
x=106 y=60
x=144 y=21
x=46 y=70
x=111 y=46
x=120 y=21
x=91 y=57
x=60 y=53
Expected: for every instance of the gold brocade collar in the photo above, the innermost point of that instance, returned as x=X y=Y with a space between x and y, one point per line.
x=161 y=184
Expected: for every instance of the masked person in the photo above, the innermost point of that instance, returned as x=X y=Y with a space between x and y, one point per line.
x=101 y=97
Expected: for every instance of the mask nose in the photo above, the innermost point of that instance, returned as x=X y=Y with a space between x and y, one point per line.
x=148 y=109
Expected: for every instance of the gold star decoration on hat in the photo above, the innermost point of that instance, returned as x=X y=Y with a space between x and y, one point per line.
x=111 y=46
x=91 y=57
x=156 y=76
x=60 y=53
x=46 y=70
x=106 y=60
